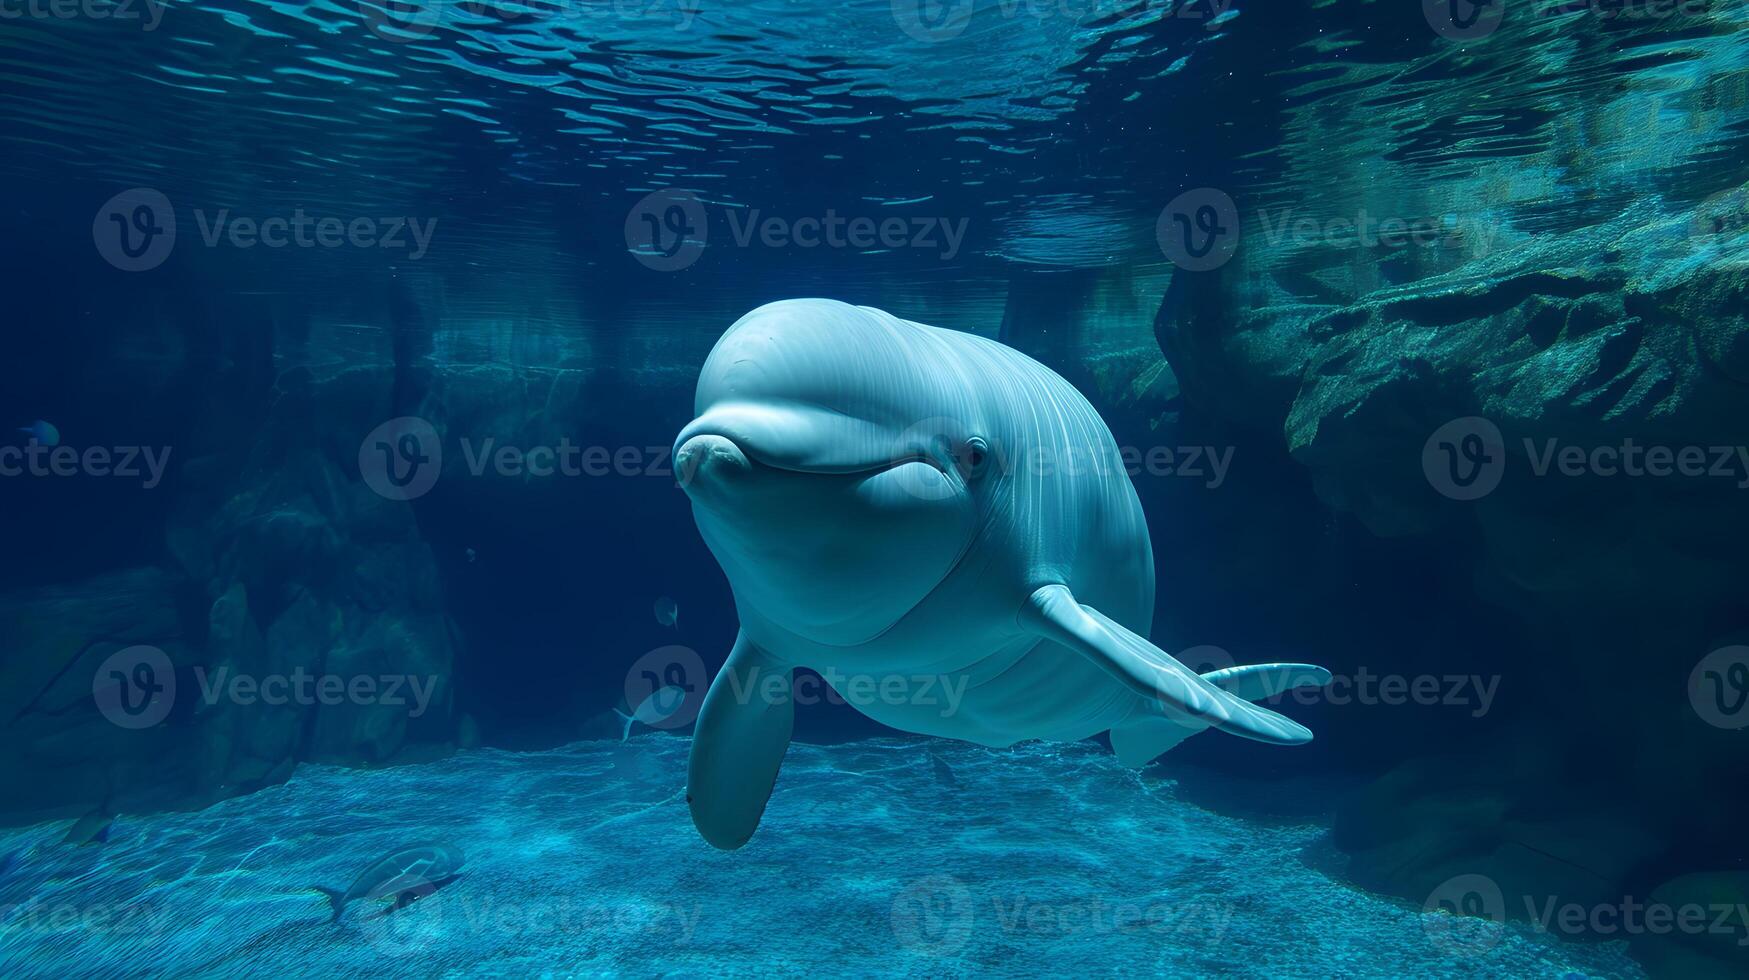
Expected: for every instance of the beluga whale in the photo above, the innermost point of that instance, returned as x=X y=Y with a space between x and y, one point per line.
x=943 y=529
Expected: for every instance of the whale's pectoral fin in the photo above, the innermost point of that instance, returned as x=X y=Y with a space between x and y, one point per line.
x=1150 y=672
x=1144 y=736
x=738 y=744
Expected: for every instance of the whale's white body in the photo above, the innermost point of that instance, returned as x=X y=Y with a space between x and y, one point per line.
x=888 y=500
x=1086 y=530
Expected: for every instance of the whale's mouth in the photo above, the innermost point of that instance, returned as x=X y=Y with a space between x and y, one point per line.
x=791 y=437
x=834 y=549
x=707 y=458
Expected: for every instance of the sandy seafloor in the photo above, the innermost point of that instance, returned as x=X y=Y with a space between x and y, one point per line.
x=886 y=857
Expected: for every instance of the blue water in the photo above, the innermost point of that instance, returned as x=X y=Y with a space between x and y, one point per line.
x=891 y=856
x=1588 y=174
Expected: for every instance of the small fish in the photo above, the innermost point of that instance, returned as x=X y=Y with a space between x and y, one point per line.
x=405 y=876
x=92 y=828
x=659 y=706
x=43 y=432
x=668 y=612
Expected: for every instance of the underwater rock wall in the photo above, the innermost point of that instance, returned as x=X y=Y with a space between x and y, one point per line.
x=278 y=579
x=1562 y=327
x=272 y=552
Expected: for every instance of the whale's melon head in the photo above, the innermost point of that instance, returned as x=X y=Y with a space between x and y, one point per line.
x=833 y=467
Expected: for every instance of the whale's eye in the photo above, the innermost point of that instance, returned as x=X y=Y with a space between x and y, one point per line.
x=977 y=453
